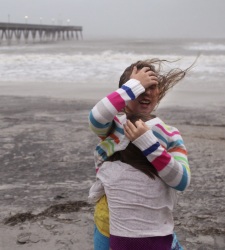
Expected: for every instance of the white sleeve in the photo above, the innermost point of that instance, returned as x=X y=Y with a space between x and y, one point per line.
x=96 y=191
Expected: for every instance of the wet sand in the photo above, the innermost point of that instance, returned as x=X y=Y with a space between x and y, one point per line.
x=46 y=170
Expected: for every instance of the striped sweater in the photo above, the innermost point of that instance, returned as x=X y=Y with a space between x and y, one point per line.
x=162 y=144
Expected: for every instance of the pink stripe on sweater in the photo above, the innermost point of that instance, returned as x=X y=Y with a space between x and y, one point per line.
x=116 y=100
x=116 y=119
x=166 y=132
x=162 y=161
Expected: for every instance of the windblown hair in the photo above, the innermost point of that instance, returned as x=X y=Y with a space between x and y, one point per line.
x=167 y=80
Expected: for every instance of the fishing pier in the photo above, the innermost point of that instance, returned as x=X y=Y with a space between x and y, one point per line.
x=26 y=32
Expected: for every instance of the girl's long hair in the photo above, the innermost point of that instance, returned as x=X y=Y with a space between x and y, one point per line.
x=132 y=155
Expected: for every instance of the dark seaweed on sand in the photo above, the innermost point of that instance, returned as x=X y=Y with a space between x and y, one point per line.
x=51 y=211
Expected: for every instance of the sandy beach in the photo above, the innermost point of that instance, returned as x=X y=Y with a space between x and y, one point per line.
x=47 y=169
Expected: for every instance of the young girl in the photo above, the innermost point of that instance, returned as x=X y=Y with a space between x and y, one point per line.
x=141 y=88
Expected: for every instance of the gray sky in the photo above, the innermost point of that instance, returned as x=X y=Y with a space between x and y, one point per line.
x=124 y=18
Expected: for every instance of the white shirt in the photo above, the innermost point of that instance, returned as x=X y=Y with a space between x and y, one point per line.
x=138 y=205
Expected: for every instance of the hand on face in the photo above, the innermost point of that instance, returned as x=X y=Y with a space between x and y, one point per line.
x=145 y=76
x=132 y=131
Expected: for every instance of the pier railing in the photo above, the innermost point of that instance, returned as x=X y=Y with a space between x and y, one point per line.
x=18 y=31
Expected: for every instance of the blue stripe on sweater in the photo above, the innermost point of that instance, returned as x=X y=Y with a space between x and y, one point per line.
x=101 y=152
x=120 y=130
x=151 y=149
x=160 y=137
x=96 y=123
x=168 y=144
x=128 y=91
x=183 y=183
x=176 y=143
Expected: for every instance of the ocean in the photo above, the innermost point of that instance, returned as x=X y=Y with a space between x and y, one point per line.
x=89 y=69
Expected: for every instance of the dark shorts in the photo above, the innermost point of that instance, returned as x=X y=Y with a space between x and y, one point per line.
x=146 y=243
x=101 y=242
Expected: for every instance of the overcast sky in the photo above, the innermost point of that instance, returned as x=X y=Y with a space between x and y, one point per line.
x=124 y=18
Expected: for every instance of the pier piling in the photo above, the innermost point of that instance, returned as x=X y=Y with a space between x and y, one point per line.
x=18 y=31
